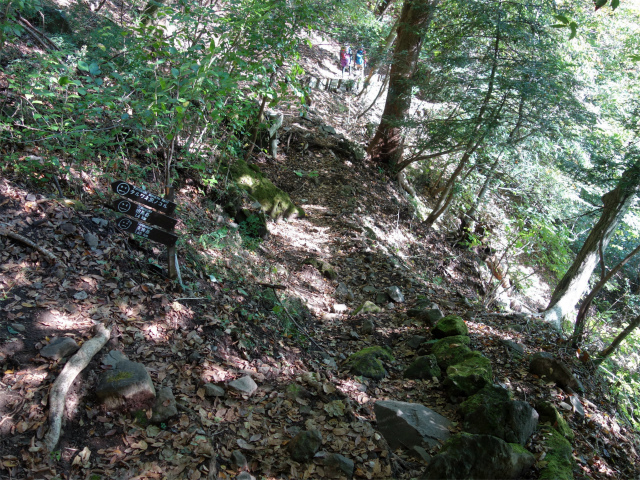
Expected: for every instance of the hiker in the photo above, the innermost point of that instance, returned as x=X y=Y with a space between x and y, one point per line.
x=361 y=59
x=345 y=59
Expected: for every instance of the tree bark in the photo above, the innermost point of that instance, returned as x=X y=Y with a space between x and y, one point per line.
x=616 y=203
x=387 y=144
x=603 y=354
x=584 y=307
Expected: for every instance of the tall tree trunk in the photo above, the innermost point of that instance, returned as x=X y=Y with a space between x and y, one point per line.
x=617 y=341
x=616 y=203
x=584 y=307
x=387 y=144
x=382 y=7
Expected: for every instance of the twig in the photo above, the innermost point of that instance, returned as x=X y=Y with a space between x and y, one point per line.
x=273 y=285
x=58 y=393
x=4 y=230
x=296 y=323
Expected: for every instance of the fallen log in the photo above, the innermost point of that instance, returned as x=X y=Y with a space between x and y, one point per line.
x=58 y=393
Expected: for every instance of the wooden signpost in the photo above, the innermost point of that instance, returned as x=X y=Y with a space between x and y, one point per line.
x=162 y=225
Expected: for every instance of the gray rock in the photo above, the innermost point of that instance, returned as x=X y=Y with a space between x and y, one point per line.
x=244 y=385
x=68 y=228
x=479 y=456
x=328 y=129
x=546 y=365
x=343 y=292
x=245 y=476
x=194 y=357
x=211 y=390
x=101 y=222
x=415 y=341
x=381 y=298
x=405 y=425
x=127 y=386
x=239 y=460
x=577 y=405
x=113 y=357
x=368 y=307
x=369 y=289
x=59 y=347
x=425 y=368
x=165 y=406
x=91 y=240
x=18 y=327
x=305 y=445
x=336 y=465
x=368 y=326
x=81 y=295
x=395 y=294
x=516 y=349
x=368 y=362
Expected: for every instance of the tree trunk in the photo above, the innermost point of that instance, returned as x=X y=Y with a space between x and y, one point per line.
x=387 y=144
x=582 y=313
x=617 y=341
x=575 y=281
x=382 y=7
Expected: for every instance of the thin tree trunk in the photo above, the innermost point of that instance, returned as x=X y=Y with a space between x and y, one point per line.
x=616 y=204
x=584 y=307
x=382 y=7
x=387 y=144
x=603 y=354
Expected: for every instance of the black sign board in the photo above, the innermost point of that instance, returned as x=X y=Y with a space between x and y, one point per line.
x=142 y=196
x=144 y=214
x=147 y=231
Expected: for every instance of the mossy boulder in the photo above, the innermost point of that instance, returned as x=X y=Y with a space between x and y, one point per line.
x=323 y=267
x=450 y=326
x=276 y=203
x=479 y=456
x=128 y=385
x=451 y=350
x=368 y=362
x=424 y=367
x=558 y=463
x=367 y=307
x=492 y=411
x=469 y=376
x=549 y=414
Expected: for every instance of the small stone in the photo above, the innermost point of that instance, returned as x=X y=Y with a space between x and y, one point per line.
x=31 y=197
x=514 y=348
x=244 y=385
x=101 y=222
x=81 y=295
x=91 y=240
x=577 y=405
x=193 y=336
x=211 y=390
x=59 y=348
x=60 y=273
x=328 y=129
x=367 y=326
x=395 y=294
x=337 y=465
x=382 y=298
x=368 y=307
x=421 y=453
x=37 y=285
x=305 y=445
x=369 y=289
x=415 y=341
x=194 y=357
x=165 y=406
x=239 y=460
x=18 y=327
x=68 y=228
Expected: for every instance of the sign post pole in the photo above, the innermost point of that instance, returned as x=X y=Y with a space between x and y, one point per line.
x=169 y=194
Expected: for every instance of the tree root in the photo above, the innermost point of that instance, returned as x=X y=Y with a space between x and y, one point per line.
x=58 y=393
x=4 y=230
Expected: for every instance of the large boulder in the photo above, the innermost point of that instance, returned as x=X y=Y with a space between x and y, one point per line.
x=407 y=425
x=546 y=365
x=479 y=456
x=128 y=385
x=449 y=326
x=491 y=411
x=424 y=367
x=469 y=376
x=558 y=462
x=451 y=350
x=274 y=202
x=368 y=362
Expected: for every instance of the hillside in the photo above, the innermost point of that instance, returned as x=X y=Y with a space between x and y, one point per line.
x=254 y=350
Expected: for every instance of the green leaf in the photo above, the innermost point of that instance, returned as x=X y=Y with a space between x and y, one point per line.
x=615 y=4
x=82 y=65
x=82 y=91
x=94 y=69
x=561 y=18
x=635 y=57
x=175 y=72
x=600 y=3
x=574 y=30
x=124 y=116
x=62 y=81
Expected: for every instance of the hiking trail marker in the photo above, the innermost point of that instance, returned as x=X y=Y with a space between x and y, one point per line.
x=162 y=225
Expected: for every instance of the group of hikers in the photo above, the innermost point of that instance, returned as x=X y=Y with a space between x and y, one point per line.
x=347 y=59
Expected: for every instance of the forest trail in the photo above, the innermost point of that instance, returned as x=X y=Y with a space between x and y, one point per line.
x=262 y=311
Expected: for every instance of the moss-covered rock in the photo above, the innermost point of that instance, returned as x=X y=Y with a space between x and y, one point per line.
x=450 y=326
x=558 y=463
x=276 y=203
x=451 y=350
x=425 y=367
x=469 y=376
x=368 y=362
x=549 y=414
x=323 y=267
x=367 y=307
